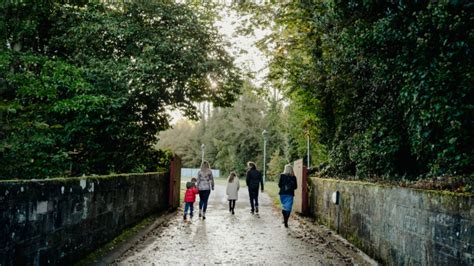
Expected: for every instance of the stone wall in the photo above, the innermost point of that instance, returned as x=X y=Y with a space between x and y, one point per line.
x=58 y=221
x=398 y=226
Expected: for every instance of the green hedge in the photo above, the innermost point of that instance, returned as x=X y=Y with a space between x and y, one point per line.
x=393 y=83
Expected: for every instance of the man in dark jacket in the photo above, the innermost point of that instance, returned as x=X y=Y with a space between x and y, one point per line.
x=254 y=179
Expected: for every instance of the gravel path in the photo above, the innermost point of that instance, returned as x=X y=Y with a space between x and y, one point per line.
x=242 y=238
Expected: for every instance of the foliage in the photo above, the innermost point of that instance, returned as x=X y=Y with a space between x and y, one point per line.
x=303 y=123
x=85 y=87
x=232 y=136
x=182 y=139
x=276 y=130
x=388 y=86
x=275 y=166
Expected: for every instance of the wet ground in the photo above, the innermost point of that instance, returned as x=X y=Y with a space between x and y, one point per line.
x=242 y=238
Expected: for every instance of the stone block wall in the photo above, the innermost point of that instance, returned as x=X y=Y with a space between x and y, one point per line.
x=398 y=226
x=58 y=221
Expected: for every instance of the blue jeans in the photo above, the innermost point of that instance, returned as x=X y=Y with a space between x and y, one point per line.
x=203 y=198
x=190 y=206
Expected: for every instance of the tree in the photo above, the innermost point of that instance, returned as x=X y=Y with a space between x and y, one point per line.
x=183 y=140
x=275 y=166
x=388 y=83
x=301 y=121
x=85 y=87
x=232 y=135
x=274 y=126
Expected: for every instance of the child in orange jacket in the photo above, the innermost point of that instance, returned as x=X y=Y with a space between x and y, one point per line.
x=190 y=198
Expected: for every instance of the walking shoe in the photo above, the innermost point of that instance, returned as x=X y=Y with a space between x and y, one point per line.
x=184 y=217
x=204 y=216
x=251 y=212
x=256 y=209
x=200 y=213
x=233 y=212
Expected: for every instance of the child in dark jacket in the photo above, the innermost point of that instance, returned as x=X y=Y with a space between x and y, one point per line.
x=190 y=198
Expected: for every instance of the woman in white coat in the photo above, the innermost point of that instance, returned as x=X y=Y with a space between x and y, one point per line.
x=233 y=187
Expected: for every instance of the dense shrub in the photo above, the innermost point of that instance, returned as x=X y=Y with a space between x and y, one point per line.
x=85 y=87
x=393 y=82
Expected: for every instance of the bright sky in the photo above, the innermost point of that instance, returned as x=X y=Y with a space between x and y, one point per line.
x=252 y=59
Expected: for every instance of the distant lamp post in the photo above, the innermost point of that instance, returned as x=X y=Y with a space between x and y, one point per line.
x=265 y=136
x=202 y=152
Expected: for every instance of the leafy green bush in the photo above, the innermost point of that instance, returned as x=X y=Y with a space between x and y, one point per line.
x=84 y=88
x=392 y=83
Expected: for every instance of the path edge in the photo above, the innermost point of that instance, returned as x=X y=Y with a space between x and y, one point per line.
x=310 y=221
x=112 y=255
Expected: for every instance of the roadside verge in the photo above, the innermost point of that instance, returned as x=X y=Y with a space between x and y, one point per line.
x=111 y=251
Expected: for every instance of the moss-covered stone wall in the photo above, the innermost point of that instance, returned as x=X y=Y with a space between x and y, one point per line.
x=398 y=226
x=57 y=221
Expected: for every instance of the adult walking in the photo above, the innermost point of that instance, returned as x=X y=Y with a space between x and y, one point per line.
x=205 y=183
x=253 y=180
x=287 y=185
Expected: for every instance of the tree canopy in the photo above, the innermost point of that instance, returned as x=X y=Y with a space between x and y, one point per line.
x=232 y=136
x=85 y=87
x=382 y=89
x=387 y=86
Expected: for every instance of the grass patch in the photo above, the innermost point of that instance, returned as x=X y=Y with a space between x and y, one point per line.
x=272 y=190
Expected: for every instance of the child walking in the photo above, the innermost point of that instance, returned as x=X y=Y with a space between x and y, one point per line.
x=190 y=198
x=233 y=186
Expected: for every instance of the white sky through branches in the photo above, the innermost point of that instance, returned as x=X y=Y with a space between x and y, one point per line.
x=243 y=48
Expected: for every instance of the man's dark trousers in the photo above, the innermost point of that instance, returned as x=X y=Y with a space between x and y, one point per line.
x=253 y=194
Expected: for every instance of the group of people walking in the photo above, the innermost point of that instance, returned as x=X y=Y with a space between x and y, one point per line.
x=204 y=183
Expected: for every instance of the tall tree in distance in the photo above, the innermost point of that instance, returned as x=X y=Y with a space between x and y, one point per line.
x=232 y=136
